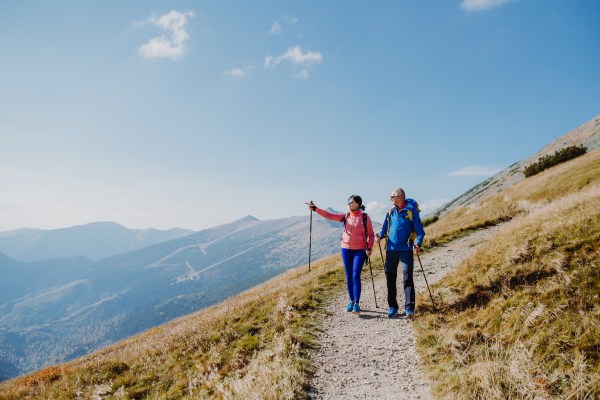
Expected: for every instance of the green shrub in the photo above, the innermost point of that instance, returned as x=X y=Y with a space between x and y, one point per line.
x=558 y=157
x=430 y=220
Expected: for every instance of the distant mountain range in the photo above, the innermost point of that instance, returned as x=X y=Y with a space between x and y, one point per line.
x=53 y=310
x=94 y=241
x=587 y=135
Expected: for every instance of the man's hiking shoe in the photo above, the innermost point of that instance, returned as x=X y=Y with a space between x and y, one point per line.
x=392 y=312
x=350 y=307
x=356 y=308
x=410 y=314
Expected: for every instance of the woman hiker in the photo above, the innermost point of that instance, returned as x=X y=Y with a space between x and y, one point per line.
x=357 y=242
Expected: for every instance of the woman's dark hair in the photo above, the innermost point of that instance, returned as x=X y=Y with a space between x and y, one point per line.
x=358 y=201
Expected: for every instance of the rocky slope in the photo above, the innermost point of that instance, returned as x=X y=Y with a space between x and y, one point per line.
x=587 y=134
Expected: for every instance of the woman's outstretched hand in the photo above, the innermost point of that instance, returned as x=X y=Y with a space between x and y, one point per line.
x=311 y=205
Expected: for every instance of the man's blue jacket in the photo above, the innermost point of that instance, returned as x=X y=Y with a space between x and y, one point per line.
x=401 y=227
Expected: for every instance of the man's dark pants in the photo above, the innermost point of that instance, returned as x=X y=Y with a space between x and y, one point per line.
x=392 y=259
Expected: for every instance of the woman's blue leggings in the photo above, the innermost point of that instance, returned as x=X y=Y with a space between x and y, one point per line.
x=353 y=262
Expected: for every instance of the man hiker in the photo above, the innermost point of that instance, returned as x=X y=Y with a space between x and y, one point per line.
x=404 y=232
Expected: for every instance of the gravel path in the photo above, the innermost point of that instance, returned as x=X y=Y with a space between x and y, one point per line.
x=371 y=356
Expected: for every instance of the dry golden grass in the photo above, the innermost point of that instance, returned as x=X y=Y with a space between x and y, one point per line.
x=521 y=317
x=526 y=195
x=252 y=346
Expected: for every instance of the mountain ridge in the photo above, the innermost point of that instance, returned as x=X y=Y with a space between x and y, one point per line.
x=50 y=303
x=587 y=134
x=94 y=240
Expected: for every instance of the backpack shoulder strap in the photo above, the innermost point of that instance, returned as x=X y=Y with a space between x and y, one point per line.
x=389 y=217
x=343 y=220
x=365 y=225
x=365 y=222
x=413 y=234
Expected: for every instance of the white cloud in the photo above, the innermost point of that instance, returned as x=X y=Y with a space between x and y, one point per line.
x=172 y=47
x=235 y=73
x=475 y=171
x=430 y=205
x=276 y=28
x=279 y=25
x=478 y=5
x=294 y=55
x=376 y=208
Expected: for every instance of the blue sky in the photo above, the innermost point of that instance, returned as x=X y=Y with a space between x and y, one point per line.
x=195 y=113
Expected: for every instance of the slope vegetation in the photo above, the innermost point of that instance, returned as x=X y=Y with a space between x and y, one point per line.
x=521 y=317
x=554 y=183
x=251 y=346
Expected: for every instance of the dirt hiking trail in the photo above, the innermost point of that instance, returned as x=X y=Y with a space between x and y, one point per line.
x=371 y=356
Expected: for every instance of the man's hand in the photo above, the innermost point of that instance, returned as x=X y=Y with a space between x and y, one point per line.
x=417 y=249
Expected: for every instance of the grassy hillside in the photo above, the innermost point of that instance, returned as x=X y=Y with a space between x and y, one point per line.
x=553 y=183
x=251 y=346
x=521 y=317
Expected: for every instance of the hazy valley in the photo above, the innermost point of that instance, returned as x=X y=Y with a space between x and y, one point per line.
x=54 y=310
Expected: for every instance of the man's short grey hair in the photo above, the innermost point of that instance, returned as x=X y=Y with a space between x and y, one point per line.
x=399 y=192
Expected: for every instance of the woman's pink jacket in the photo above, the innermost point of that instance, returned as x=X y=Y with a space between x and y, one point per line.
x=354 y=237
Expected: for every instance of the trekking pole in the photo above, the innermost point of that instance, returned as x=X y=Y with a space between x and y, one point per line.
x=369 y=258
x=422 y=270
x=372 y=281
x=310 y=237
x=381 y=254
